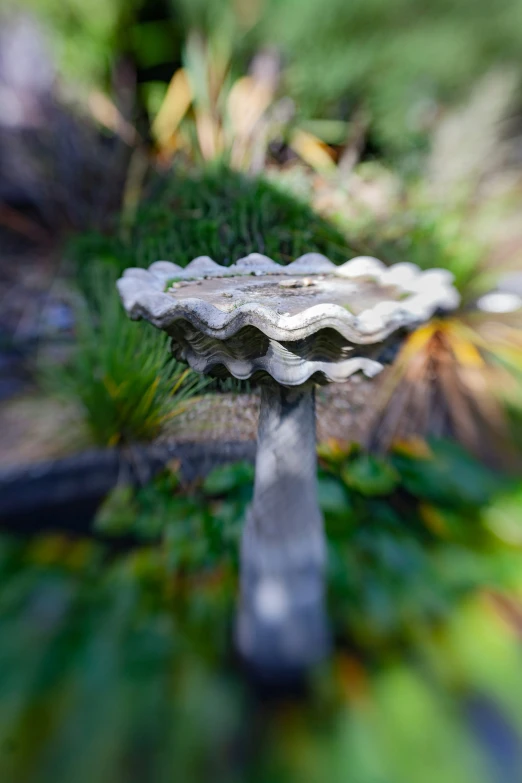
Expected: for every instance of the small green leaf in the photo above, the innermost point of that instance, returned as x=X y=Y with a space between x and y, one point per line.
x=504 y=516
x=117 y=514
x=333 y=498
x=370 y=475
x=452 y=477
x=225 y=478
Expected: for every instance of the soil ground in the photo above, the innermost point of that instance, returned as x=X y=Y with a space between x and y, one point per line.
x=35 y=428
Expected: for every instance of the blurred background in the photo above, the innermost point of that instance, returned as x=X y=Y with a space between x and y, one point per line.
x=139 y=130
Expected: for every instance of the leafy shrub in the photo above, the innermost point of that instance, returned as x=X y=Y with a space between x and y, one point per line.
x=430 y=238
x=399 y=59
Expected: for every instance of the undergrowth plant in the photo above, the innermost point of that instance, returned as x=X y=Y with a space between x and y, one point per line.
x=121 y=372
x=132 y=650
x=431 y=237
x=452 y=376
x=409 y=535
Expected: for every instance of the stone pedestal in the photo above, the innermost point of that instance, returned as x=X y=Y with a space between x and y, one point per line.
x=281 y=623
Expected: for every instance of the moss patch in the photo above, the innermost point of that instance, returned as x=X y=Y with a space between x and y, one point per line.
x=219 y=213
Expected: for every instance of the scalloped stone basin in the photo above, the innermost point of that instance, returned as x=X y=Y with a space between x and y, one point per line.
x=362 y=299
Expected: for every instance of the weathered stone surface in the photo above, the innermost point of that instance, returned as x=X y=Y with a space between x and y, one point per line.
x=363 y=299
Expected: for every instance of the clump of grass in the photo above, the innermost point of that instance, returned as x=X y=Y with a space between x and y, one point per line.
x=121 y=372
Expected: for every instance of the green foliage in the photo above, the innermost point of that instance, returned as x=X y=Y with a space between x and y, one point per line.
x=118 y=669
x=450 y=477
x=93 y=251
x=370 y=476
x=106 y=685
x=199 y=528
x=430 y=238
x=115 y=669
x=121 y=372
x=408 y=535
x=227 y=478
x=85 y=38
x=398 y=58
x=411 y=538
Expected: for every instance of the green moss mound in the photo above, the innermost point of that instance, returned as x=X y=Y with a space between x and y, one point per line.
x=219 y=213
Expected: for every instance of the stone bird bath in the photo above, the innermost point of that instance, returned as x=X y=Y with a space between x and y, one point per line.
x=288 y=327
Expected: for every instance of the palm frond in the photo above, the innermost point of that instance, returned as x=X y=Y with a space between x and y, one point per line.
x=447 y=381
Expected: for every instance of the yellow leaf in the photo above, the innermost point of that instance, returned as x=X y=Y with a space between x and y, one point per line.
x=465 y=352
x=209 y=134
x=113 y=389
x=49 y=549
x=334 y=450
x=418 y=340
x=149 y=395
x=179 y=381
x=175 y=105
x=433 y=519
x=413 y=447
x=312 y=150
x=247 y=101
